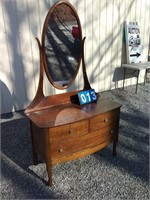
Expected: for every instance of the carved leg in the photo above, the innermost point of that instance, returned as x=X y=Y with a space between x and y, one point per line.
x=49 y=172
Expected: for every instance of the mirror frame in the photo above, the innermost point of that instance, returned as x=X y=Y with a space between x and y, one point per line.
x=49 y=14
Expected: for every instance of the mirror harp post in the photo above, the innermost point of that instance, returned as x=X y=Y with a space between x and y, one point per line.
x=87 y=85
x=39 y=93
x=86 y=81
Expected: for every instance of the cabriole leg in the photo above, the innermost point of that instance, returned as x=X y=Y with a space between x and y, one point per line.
x=49 y=172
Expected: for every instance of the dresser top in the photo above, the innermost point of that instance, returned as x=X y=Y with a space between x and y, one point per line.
x=68 y=113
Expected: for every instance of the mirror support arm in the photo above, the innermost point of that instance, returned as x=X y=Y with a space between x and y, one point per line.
x=86 y=81
x=39 y=94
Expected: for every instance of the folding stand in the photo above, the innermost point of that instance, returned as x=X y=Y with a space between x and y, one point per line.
x=135 y=68
x=134 y=52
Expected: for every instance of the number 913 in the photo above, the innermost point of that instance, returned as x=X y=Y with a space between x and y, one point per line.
x=87 y=96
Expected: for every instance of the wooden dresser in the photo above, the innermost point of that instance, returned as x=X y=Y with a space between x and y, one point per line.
x=61 y=128
x=68 y=131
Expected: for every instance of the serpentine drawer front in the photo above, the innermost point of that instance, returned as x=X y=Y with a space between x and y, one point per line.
x=86 y=130
x=93 y=139
x=65 y=145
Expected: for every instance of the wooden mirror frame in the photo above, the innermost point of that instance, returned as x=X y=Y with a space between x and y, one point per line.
x=45 y=27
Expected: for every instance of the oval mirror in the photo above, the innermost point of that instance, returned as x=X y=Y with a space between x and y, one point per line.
x=61 y=43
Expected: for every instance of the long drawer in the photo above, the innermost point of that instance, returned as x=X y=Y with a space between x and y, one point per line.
x=70 y=146
x=95 y=138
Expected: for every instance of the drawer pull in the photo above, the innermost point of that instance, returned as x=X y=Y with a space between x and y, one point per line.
x=112 y=131
x=106 y=120
x=61 y=150
x=70 y=131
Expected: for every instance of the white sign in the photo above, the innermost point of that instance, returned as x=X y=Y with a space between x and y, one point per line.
x=133 y=42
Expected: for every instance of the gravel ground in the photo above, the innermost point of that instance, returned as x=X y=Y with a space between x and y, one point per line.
x=97 y=176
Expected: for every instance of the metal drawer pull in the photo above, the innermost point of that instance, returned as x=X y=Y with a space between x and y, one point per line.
x=61 y=150
x=106 y=120
x=112 y=131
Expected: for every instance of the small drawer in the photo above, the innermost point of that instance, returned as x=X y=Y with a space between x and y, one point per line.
x=103 y=120
x=61 y=149
x=69 y=131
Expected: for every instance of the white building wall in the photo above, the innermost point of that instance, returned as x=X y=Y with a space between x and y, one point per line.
x=102 y=23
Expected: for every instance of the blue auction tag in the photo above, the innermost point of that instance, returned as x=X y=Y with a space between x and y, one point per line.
x=87 y=96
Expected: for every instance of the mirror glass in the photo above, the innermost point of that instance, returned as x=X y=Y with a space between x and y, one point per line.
x=62 y=45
